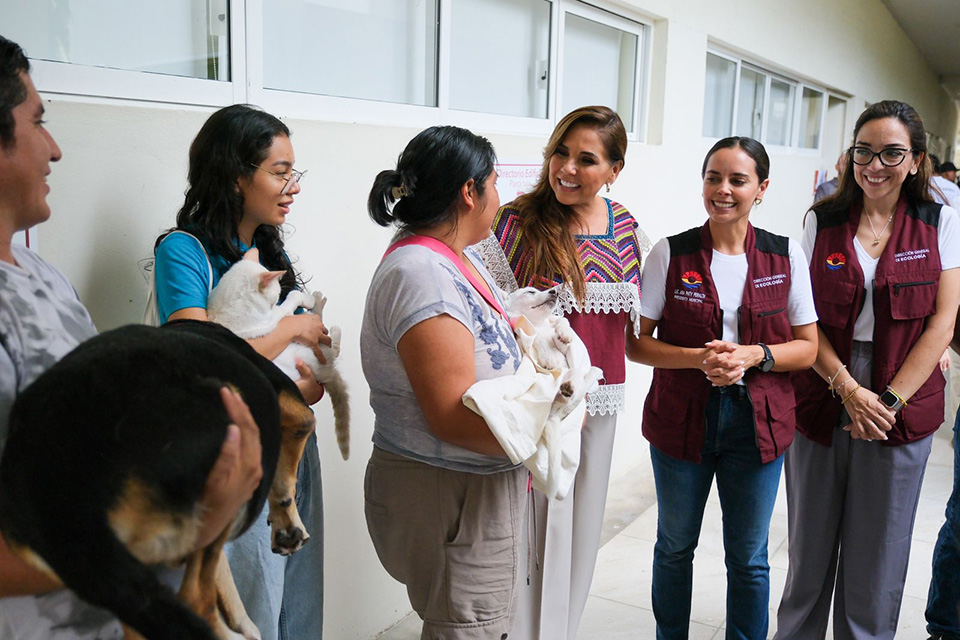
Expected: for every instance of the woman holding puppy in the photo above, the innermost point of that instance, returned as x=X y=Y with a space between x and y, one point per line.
x=241 y=186
x=443 y=503
x=565 y=233
x=732 y=308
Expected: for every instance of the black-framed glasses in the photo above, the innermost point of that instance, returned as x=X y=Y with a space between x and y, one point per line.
x=891 y=157
x=294 y=177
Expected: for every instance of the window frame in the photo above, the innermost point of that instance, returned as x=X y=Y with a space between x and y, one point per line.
x=246 y=83
x=798 y=83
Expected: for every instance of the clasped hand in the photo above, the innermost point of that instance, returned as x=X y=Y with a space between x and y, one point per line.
x=725 y=362
x=870 y=418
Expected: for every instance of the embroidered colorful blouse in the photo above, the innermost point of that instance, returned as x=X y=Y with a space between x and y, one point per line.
x=611 y=265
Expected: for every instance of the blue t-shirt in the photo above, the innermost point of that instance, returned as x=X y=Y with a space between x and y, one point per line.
x=182 y=275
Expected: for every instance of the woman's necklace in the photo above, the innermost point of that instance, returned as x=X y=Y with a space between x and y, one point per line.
x=876 y=236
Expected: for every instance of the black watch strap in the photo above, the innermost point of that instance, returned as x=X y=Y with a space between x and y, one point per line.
x=768 y=362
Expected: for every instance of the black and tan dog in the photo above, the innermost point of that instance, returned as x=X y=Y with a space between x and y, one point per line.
x=108 y=454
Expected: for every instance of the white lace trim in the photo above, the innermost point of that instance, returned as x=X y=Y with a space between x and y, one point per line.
x=491 y=253
x=606 y=400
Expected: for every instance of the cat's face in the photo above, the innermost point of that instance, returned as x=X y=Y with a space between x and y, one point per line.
x=536 y=305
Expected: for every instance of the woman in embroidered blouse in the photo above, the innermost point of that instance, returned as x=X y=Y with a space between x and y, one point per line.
x=883 y=259
x=733 y=312
x=442 y=501
x=241 y=186
x=565 y=232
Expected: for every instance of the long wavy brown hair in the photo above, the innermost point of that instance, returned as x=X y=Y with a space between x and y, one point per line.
x=546 y=223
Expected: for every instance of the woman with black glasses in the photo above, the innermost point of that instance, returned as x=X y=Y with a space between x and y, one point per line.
x=241 y=186
x=883 y=262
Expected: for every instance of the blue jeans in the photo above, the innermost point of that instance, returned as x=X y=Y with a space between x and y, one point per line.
x=284 y=595
x=747 y=490
x=944 y=596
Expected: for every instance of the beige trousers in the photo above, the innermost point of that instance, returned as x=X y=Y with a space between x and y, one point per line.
x=452 y=538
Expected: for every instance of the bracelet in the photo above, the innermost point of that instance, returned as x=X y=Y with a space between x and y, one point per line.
x=844 y=401
x=833 y=379
x=899 y=397
x=839 y=387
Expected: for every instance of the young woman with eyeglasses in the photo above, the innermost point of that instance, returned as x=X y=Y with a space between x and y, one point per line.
x=883 y=262
x=733 y=315
x=241 y=186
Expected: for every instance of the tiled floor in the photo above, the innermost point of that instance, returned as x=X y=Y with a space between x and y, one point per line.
x=619 y=604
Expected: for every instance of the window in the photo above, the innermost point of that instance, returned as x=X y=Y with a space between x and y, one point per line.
x=718 y=97
x=506 y=65
x=371 y=49
x=811 y=116
x=751 y=101
x=175 y=37
x=516 y=60
x=600 y=63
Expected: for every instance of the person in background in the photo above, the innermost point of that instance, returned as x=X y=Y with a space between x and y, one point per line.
x=829 y=187
x=443 y=503
x=883 y=261
x=41 y=320
x=242 y=185
x=943 y=183
x=734 y=316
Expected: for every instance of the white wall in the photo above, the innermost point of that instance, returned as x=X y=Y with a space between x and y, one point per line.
x=123 y=175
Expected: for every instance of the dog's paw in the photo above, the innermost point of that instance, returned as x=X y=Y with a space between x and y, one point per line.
x=289 y=541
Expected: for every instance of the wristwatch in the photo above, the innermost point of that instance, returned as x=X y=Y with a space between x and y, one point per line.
x=891 y=400
x=766 y=365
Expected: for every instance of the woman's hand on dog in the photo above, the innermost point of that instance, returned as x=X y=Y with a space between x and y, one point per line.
x=308 y=329
x=310 y=389
x=236 y=473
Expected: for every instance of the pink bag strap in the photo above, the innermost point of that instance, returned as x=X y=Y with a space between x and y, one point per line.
x=445 y=251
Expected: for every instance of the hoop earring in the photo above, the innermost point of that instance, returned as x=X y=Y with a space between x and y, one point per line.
x=757 y=202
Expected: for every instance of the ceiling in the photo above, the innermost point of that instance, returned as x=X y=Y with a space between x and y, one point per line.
x=934 y=27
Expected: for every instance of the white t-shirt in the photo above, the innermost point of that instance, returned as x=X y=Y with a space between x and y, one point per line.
x=729 y=276
x=948 y=243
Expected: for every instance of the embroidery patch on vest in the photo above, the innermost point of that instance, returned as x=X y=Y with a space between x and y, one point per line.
x=915 y=254
x=692 y=280
x=769 y=281
x=836 y=261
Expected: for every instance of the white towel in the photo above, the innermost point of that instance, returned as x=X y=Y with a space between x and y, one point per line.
x=517 y=407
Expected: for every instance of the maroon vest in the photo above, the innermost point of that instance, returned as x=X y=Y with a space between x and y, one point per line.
x=674 y=418
x=904 y=295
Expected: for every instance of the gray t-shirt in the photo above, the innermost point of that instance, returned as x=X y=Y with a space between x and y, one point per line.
x=411 y=285
x=41 y=320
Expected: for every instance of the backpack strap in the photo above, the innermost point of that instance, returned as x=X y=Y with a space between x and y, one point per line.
x=151 y=313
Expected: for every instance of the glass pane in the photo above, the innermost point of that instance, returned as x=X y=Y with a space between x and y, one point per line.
x=780 y=114
x=811 y=110
x=485 y=32
x=174 y=37
x=718 y=96
x=373 y=49
x=599 y=67
x=750 y=107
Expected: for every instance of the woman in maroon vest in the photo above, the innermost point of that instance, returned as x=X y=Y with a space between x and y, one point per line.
x=734 y=314
x=883 y=261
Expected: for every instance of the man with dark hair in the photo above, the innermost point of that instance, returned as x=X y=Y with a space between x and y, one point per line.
x=943 y=189
x=41 y=320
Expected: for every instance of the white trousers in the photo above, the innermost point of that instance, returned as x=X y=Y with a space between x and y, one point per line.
x=562 y=537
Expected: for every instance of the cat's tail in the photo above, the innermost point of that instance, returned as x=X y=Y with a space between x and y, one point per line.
x=340 y=398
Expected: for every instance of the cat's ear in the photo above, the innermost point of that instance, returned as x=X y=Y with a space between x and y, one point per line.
x=268 y=277
x=252 y=254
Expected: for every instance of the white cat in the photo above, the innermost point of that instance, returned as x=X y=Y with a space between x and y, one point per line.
x=245 y=301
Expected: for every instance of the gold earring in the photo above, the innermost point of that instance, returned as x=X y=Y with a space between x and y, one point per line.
x=757 y=202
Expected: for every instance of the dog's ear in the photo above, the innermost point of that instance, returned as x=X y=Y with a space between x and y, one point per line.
x=268 y=277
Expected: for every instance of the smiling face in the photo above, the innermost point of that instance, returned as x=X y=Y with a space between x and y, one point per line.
x=731 y=186
x=881 y=183
x=25 y=165
x=262 y=201
x=580 y=166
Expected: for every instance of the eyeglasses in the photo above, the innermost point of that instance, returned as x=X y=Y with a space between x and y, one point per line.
x=289 y=180
x=888 y=157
